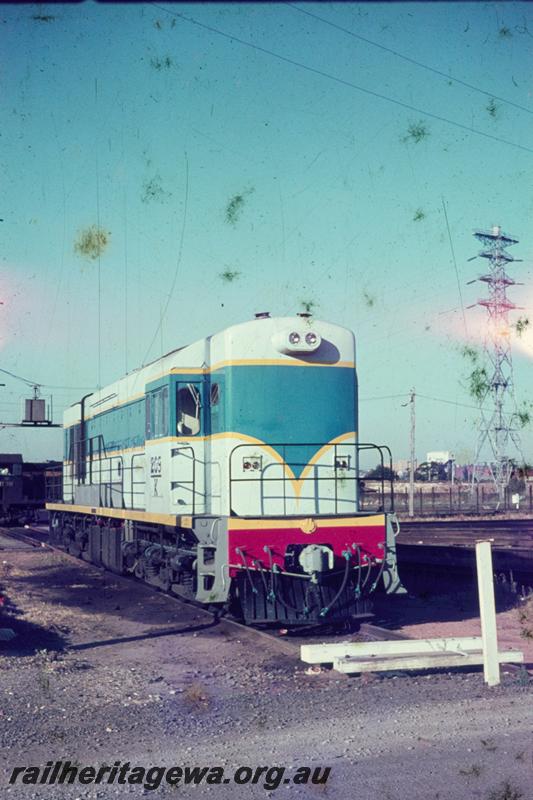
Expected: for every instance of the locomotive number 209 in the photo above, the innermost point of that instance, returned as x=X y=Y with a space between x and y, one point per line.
x=155 y=466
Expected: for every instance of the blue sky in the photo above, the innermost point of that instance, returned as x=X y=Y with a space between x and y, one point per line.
x=133 y=118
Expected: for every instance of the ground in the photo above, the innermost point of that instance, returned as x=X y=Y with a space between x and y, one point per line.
x=104 y=669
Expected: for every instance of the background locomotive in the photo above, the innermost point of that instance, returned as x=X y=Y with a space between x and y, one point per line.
x=227 y=471
x=26 y=486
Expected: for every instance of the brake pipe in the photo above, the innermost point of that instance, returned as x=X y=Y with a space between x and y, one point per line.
x=347 y=555
x=368 y=571
x=241 y=554
x=270 y=594
x=380 y=572
x=358 y=585
x=277 y=595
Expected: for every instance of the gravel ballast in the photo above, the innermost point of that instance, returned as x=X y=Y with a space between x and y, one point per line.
x=104 y=669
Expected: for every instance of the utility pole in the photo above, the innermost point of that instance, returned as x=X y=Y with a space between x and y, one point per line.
x=497 y=426
x=412 y=463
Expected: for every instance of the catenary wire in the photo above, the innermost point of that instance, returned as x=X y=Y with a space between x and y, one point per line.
x=410 y=60
x=455 y=265
x=44 y=385
x=178 y=261
x=341 y=81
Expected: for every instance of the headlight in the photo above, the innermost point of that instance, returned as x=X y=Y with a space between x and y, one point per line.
x=296 y=341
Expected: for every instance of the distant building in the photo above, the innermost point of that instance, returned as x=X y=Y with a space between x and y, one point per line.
x=439 y=457
x=401 y=468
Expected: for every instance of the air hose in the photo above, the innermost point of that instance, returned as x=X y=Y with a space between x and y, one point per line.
x=380 y=572
x=368 y=571
x=270 y=594
x=278 y=595
x=358 y=585
x=326 y=609
x=241 y=554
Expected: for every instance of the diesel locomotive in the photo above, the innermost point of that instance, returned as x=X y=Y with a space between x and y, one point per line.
x=26 y=486
x=227 y=472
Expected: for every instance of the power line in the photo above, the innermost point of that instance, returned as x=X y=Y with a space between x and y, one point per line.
x=423 y=396
x=99 y=282
x=455 y=265
x=383 y=397
x=178 y=261
x=43 y=385
x=448 y=402
x=410 y=60
x=341 y=81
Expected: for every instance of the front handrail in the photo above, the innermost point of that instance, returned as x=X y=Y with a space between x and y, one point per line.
x=384 y=454
x=382 y=448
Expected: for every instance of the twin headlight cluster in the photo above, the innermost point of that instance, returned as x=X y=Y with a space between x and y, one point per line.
x=296 y=338
x=296 y=341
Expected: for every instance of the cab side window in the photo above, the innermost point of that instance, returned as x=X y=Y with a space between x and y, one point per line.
x=157 y=413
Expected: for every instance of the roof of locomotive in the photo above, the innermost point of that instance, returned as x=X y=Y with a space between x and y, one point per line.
x=246 y=342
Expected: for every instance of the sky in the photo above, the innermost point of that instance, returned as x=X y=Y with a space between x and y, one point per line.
x=361 y=145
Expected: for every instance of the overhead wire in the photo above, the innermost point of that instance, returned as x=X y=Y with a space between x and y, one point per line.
x=341 y=81
x=178 y=260
x=125 y=209
x=43 y=385
x=420 y=395
x=455 y=266
x=410 y=60
x=383 y=397
x=99 y=282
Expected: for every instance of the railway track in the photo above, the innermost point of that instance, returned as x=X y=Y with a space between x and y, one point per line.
x=288 y=642
x=505 y=534
x=447 y=546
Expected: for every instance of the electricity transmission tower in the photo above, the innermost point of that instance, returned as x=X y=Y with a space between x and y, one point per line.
x=495 y=389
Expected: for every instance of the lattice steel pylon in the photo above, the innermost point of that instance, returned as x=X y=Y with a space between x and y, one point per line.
x=497 y=422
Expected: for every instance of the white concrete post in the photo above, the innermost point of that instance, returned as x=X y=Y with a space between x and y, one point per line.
x=487 y=608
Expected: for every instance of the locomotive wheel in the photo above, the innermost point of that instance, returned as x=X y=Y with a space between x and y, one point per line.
x=69 y=536
x=74 y=548
x=166 y=582
x=233 y=604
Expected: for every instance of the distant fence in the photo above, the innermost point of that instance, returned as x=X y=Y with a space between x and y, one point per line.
x=458 y=499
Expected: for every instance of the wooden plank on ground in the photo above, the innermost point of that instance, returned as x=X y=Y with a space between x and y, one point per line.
x=325 y=653
x=421 y=661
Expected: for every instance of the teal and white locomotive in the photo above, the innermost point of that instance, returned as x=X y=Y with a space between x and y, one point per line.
x=227 y=471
